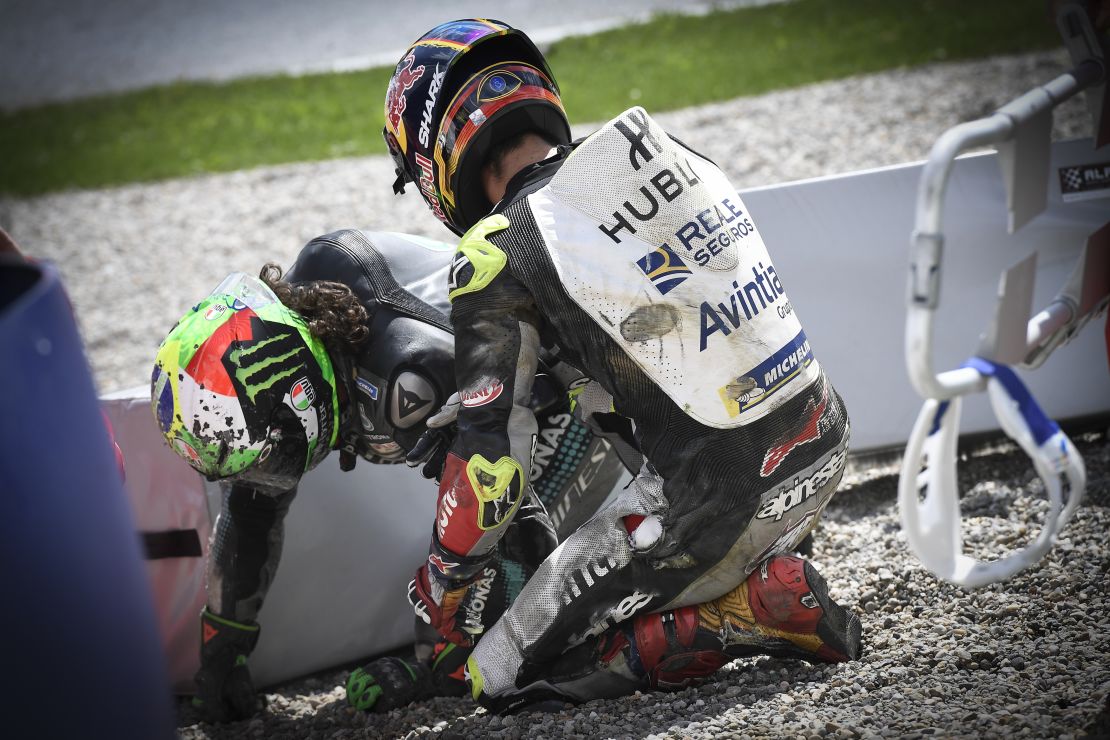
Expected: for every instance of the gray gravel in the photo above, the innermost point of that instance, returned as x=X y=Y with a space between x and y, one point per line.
x=1027 y=658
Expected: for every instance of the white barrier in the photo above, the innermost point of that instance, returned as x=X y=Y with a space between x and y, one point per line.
x=839 y=245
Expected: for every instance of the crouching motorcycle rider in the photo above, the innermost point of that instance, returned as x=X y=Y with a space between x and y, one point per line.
x=631 y=257
x=351 y=350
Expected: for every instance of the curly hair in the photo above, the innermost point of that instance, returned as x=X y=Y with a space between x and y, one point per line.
x=330 y=309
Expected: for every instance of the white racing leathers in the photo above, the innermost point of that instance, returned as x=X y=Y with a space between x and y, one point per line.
x=635 y=259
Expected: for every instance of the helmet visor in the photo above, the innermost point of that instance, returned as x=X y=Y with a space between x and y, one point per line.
x=246 y=290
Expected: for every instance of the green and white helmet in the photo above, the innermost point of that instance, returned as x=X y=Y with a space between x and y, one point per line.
x=242 y=388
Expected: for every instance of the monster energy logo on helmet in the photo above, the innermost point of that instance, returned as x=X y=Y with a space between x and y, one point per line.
x=256 y=372
x=223 y=383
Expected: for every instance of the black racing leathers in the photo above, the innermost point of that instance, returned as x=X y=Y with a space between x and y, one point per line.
x=401 y=375
x=718 y=497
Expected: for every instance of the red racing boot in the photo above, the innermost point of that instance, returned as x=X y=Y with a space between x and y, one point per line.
x=784 y=609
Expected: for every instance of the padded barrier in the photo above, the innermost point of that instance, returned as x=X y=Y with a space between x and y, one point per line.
x=840 y=243
x=352 y=542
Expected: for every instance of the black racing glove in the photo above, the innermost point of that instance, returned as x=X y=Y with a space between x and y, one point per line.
x=388 y=683
x=432 y=447
x=225 y=692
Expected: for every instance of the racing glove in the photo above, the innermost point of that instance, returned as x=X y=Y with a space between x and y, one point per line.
x=388 y=683
x=431 y=449
x=225 y=692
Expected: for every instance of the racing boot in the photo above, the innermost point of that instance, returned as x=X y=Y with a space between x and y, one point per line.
x=664 y=650
x=783 y=609
x=388 y=683
x=225 y=692
x=446 y=659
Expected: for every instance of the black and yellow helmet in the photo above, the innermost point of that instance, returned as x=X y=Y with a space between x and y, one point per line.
x=461 y=87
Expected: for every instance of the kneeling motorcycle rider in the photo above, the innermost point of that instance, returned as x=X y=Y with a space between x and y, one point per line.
x=351 y=350
x=629 y=256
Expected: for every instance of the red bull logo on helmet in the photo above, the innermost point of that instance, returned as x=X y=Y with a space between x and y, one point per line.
x=427 y=188
x=395 y=101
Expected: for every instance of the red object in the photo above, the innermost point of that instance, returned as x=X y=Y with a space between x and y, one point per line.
x=632 y=521
x=783 y=600
x=810 y=431
x=652 y=642
x=617 y=641
x=776 y=600
x=209 y=632
x=679 y=670
x=207 y=366
x=396 y=101
x=669 y=659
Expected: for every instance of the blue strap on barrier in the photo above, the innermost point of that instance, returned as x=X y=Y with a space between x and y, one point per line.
x=942 y=407
x=1040 y=425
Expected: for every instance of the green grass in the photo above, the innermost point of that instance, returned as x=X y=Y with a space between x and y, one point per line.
x=670 y=62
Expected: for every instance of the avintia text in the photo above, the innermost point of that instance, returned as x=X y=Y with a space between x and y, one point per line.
x=742 y=303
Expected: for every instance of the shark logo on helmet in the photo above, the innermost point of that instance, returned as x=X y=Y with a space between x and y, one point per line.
x=424 y=135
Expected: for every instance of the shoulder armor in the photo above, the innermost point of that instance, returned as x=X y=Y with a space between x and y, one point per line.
x=477 y=261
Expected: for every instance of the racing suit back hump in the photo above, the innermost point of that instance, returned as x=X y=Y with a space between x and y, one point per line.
x=661 y=254
x=666 y=295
